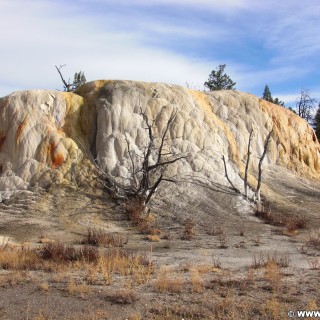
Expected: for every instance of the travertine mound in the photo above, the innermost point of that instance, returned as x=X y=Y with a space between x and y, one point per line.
x=45 y=134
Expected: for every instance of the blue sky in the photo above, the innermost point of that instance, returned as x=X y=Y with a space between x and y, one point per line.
x=175 y=41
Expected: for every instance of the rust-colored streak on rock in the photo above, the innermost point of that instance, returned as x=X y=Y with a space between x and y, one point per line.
x=21 y=128
x=57 y=160
x=56 y=157
x=2 y=140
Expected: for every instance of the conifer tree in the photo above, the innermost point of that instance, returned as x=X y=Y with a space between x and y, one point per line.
x=218 y=80
x=267 y=94
x=268 y=97
x=79 y=80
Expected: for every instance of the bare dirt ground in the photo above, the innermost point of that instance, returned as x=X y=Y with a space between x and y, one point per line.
x=229 y=264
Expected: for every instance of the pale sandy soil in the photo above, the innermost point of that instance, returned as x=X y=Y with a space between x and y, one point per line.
x=209 y=279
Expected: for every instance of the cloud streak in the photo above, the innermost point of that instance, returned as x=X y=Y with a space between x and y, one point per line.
x=174 y=41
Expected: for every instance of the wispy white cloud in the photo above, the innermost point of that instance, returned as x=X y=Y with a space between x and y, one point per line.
x=290 y=29
x=225 y=6
x=249 y=78
x=169 y=40
x=41 y=39
x=292 y=98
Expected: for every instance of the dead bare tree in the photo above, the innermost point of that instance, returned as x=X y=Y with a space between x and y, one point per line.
x=306 y=105
x=265 y=149
x=227 y=176
x=66 y=85
x=79 y=79
x=258 y=190
x=247 y=165
x=148 y=165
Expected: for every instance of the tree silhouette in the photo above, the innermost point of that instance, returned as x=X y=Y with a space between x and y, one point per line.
x=78 y=80
x=219 y=80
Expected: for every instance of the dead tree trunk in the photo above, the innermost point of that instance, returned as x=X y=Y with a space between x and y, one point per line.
x=67 y=86
x=148 y=170
x=247 y=166
x=226 y=175
x=266 y=143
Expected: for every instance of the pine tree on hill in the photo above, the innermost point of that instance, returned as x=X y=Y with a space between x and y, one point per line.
x=268 y=97
x=218 y=80
x=267 y=94
x=278 y=102
x=78 y=80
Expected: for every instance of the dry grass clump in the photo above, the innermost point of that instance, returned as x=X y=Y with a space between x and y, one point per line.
x=15 y=277
x=291 y=222
x=47 y=314
x=178 y=312
x=222 y=308
x=262 y=259
x=124 y=296
x=97 y=267
x=44 y=286
x=148 y=225
x=153 y=238
x=19 y=259
x=272 y=309
x=119 y=262
x=135 y=210
x=144 y=220
x=60 y=252
x=78 y=288
x=273 y=274
x=101 y=238
x=196 y=281
x=165 y=284
x=189 y=229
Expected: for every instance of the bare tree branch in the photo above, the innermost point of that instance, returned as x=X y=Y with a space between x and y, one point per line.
x=155 y=166
x=226 y=175
x=305 y=105
x=67 y=86
x=163 y=138
x=265 y=149
x=247 y=165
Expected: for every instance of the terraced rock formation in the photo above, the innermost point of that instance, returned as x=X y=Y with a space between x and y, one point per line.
x=46 y=135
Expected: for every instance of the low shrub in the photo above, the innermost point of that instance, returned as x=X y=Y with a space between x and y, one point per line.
x=124 y=296
x=101 y=238
x=135 y=210
x=189 y=229
x=60 y=252
x=291 y=222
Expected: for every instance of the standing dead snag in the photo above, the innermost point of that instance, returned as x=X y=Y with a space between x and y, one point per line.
x=66 y=85
x=79 y=79
x=258 y=191
x=148 y=165
x=247 y=165
x=265 y=149
x=226 y=175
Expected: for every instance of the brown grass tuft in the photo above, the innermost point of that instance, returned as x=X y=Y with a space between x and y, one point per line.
x=165 y=284
x=60 y=252
x=291 y=222
x=124 y=296
x=101 y=238
x=189 y=229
